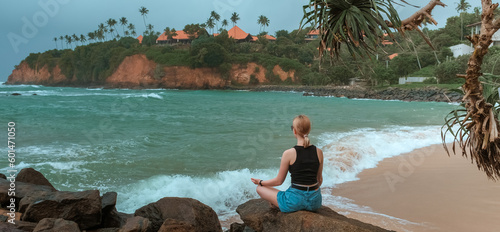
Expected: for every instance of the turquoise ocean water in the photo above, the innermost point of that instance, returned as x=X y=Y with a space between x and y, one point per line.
x=149 y=144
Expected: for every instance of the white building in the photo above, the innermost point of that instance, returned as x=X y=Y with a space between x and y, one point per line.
x=461 y=49
x=476 y=28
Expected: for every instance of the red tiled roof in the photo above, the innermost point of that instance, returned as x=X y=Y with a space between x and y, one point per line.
x=268 y=37
x=237 y=33
x=216 y=34
x=140 y=38
x=393 y=55
x=313 y=32
x=181 y=35
x=387 y=42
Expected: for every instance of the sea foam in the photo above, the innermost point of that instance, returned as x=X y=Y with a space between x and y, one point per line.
x=345 y=155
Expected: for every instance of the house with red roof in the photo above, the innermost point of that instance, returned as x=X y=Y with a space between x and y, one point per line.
x=181 y=37
x=312 y=35
x=239 y=35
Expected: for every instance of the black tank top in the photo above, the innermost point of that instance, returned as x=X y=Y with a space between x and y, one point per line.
x=304 y=170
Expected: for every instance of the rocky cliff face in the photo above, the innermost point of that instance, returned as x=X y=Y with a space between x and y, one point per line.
x=138 y=72
x=23 y=74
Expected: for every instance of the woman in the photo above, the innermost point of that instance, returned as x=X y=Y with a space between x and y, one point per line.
x=305 y=163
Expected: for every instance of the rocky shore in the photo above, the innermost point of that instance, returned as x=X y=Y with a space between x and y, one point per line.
x=39 y=206
x=391 y=93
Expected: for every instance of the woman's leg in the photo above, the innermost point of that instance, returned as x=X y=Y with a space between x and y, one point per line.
x=268 y=193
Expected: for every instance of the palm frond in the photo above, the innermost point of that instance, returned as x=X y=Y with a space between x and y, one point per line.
x=360 y=25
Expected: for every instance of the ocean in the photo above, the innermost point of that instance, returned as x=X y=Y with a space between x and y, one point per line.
x=154 y=143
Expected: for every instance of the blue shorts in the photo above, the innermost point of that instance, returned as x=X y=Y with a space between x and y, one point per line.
x=294 y=199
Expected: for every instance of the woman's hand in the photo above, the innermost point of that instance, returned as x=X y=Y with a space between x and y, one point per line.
x=255 y=181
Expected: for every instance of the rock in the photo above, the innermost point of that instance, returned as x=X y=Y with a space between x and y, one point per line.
x=172 y=225
x=136 y=224
x=105 y=230
x=239 y=227
x=9 y=227
x=114 y=219
x=3 y=218
x=23 y=226
x=110 y=216
x=56 y=225
x=200 y=216
x=258 y=215
x=3 y=176
x=32 y=176
x=108 y=201
x=16 y=94
x=22 y=189
x=84 y=207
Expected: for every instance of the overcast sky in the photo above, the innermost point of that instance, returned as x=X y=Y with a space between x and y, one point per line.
x=33 y=24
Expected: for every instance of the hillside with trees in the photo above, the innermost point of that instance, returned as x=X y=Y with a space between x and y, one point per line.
x=95 y=57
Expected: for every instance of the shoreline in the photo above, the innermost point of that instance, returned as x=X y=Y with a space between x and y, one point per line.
x=424 y=94
x=424 y=190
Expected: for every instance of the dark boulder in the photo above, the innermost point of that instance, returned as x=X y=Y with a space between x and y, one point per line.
x=172 y=225
x=56 y=225
x=258 y=215
x=110 y=216
x=84 y=207
x=22 y=189
x=200 y=216
x=32 y=176
x=136 y=224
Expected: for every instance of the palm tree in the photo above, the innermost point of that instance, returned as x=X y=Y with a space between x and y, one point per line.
x=234 y=18
x=131 y=28
x=360 y=30
x=224 y=23
x=475 y=126
x=263 y=21
x=91 y=36
x=83 y=39
x=76 y=39
x=61 y=38
x=216 y=17
x=462 y=7
x=144 y=12
x=123 y=22
x=111 y=24
x=55 y=40
x=68 y=40
x=210 y=23
x=150 y=28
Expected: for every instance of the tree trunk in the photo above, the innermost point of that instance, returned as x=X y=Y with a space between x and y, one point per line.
x=483 y=143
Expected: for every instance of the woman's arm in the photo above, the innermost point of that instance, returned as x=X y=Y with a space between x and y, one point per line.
x=280 y=178
x=320 y=169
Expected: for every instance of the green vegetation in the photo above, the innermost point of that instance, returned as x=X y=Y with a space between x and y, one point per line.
x=105 y=49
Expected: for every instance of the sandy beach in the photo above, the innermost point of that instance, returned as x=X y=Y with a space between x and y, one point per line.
x=424 y=190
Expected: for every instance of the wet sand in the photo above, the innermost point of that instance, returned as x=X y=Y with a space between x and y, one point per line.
x=424 y=190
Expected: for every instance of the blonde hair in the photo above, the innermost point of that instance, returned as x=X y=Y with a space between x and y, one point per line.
x=302 y=126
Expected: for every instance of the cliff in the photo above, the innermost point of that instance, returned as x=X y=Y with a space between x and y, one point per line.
x=137 y=71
